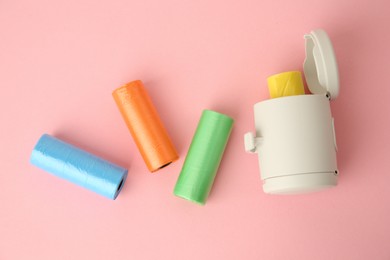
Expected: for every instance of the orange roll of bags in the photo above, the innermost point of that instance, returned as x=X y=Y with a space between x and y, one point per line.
x=145 y=125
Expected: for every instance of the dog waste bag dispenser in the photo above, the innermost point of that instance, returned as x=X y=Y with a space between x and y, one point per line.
x=295 y=138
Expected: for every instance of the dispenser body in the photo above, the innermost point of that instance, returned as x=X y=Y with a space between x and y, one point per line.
x=296 y=144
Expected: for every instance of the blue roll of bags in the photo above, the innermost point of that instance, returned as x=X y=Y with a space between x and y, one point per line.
x=80 y=167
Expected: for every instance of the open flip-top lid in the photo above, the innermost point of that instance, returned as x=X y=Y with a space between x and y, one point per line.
x=320 y=66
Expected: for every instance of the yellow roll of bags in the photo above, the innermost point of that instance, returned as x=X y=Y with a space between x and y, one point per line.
x=286 y=84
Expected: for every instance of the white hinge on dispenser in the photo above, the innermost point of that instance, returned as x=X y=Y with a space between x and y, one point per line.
x=295 y=138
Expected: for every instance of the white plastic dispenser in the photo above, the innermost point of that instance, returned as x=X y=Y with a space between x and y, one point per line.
x=295 y=138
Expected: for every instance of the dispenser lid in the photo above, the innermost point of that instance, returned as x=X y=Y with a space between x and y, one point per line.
x=320 y=66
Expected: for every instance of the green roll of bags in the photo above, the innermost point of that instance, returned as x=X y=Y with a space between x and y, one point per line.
x=203 y=157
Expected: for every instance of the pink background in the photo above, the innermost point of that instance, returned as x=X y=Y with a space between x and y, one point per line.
x=60 y=61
